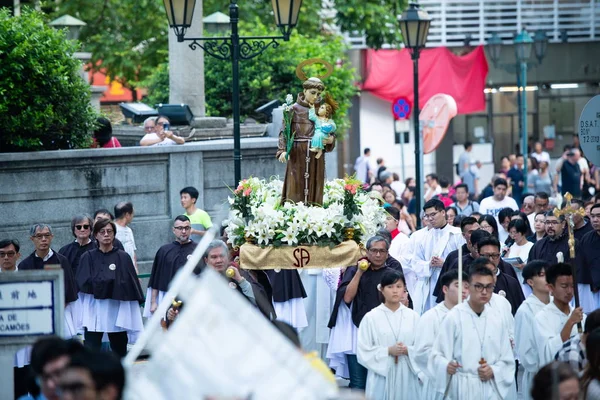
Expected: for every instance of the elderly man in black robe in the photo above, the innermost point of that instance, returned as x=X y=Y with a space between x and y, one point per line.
x=557 y=240
x=169 y=258
x=43 y=255
x=590 y=255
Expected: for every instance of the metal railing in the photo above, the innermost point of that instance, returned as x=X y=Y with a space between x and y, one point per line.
x=455 y=23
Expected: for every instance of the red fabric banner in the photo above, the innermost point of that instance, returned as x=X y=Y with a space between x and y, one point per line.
x=389 y=75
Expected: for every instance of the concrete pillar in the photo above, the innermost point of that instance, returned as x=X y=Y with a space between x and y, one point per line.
x=186 y=68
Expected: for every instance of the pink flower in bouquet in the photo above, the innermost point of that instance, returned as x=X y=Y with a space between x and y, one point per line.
x=247 y=192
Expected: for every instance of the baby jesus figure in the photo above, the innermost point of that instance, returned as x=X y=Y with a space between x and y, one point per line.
x=324 y=125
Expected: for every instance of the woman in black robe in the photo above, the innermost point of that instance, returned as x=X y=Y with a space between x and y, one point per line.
x=110 y=292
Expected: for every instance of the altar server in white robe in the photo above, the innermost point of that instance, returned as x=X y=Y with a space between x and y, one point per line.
x=430 y=253
x=534 y=275
x=472 y=355
x=428 y=330
x=386 y=338
x=556 y=322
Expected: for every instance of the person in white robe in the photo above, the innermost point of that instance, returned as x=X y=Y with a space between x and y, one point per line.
x=430 y=253
x=534 y=274
x=428 y=330
x=556 y=322
x=472 y=355
x=386 y=338
x=407 y=256
x=320 y=286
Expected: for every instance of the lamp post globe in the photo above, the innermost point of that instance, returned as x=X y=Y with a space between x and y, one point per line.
x=414 y=24
x=494 y=45
x=179 y=14
x=540 y=43
x=286 y=14
x=523 y=45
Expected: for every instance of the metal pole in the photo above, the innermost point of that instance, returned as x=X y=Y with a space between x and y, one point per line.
x=519 y=100
x=235 y=54
x=524 y=130
x=418 y=139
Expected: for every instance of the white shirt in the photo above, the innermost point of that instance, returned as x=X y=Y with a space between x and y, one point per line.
x=165 y=142
x=125 y=235
x=50 y=254
x=361 y=166
x=543 y=156
x=491 y=206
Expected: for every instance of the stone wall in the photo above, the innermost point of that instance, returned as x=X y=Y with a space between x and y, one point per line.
x=52 y=186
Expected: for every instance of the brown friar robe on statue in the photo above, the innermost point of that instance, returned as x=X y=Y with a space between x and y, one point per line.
x=295 y=182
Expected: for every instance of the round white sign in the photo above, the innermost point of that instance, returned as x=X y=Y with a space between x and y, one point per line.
x=589 y=130
x=112 y=267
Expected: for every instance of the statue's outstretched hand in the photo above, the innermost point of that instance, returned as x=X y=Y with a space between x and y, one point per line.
x=282 y=158
x=329 y=139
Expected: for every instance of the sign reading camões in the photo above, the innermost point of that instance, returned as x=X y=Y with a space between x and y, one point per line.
x=26 y=308
x=589 y=130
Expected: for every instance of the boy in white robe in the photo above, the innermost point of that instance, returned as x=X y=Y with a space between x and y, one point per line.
x=557 y=321
x=428 y=329
x=534 y=275
x=407 y=256
x=472 y=354
x=386 y=339
x=430 y=253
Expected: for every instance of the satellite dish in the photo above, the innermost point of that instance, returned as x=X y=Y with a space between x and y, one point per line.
x=434 y=120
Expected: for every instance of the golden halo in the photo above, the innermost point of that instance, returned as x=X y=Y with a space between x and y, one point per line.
x=302 y=76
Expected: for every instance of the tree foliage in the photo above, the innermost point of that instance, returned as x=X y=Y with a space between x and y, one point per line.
x=271 y=75
x=127 y=38
x=44 y=103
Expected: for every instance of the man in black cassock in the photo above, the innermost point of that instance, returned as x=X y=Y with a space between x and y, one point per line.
x=590 y=257
x=468 y=225
x=359 y=290
x=557 y=240
x=169 y=258
x=81 y=228
x=490 y=248
x=43 y=255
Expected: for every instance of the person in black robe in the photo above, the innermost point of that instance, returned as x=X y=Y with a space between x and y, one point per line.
x=468 y=225
x=590 y=260
x=506 y=285
x=105 y=214
x=359 y=289
x=43 y=255
x=110 y=292
x=169 y=258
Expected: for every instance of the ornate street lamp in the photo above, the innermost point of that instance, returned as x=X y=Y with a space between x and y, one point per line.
x=540 y=43
x=216 y=23
x=523 y=45
x=234 y=48
x=414 y=24
x=494 y=45
x=72 y=24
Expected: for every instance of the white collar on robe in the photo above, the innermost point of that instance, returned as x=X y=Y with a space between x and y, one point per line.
x=554 y=310
x=535 y=301
x=50 y=254
x=384 y=308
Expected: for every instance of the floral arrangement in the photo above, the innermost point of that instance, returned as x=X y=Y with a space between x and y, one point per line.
x=288 y=113
x=257 y=215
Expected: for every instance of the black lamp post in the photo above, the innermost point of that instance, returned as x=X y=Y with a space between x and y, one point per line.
x=414 y=24
x=233 y=47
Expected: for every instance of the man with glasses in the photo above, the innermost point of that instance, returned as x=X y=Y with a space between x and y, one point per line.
x=169 y=258
x=507 y=286
x=358 y=292
x=557 y=240
x=9 y=255
x=494 y=204
x=542 y=202
x=472 y=351
x=430 y=254
x=43 y=257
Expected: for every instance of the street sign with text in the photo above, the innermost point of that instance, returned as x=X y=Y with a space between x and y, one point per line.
x=589 y=130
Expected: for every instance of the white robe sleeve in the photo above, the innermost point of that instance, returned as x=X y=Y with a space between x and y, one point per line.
x=504 y=367
x=370 y=354
x=424 y=338
x=525 y=338
x=547 y=338
x=442 y=352
x=420 y=265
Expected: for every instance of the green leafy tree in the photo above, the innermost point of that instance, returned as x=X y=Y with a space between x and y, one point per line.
x=44 y=103
x=127 y=38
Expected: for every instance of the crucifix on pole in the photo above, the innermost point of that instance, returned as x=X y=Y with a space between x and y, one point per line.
x=568 y=213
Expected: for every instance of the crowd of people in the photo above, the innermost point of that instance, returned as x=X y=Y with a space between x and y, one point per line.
x=451 y=310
